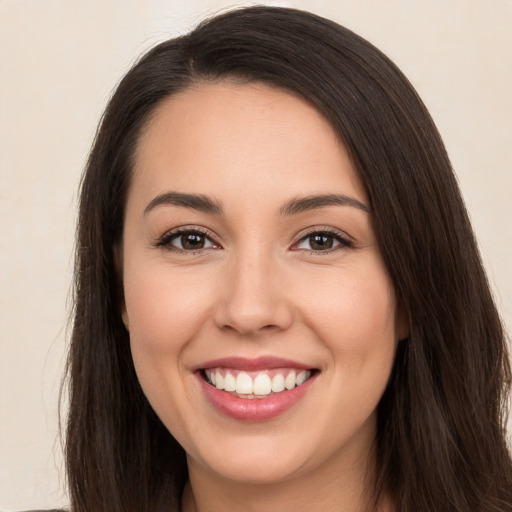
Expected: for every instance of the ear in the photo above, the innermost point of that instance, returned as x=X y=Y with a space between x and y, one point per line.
x=118 y=264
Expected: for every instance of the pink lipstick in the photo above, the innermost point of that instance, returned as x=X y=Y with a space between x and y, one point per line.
x=254 y=389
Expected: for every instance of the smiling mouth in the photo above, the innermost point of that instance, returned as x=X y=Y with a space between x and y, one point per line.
x=256 y=384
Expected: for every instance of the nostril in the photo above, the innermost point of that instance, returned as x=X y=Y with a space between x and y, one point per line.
x=249 y=311
x=249 y=329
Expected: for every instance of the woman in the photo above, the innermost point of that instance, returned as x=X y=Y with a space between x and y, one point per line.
x=279 y=301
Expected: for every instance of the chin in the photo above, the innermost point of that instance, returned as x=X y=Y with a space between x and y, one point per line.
x=255 y=461
x=257 y=471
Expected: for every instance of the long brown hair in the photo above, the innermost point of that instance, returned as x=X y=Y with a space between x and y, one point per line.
x=441 y=422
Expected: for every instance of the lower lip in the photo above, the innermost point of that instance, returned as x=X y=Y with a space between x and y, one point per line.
x=256 y=409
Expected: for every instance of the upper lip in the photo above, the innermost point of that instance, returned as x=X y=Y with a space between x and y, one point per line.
x=248 y=364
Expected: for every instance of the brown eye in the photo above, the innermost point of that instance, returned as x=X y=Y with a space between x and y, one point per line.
x=192 y=241
x=189 y=240
x=323 y=241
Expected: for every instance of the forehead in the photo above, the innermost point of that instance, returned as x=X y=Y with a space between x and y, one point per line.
x=213 y=138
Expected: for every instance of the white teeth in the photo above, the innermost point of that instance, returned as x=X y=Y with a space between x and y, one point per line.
x=301 y=378
x=229 y=382
x=278 y=383
x=263 y=385
x=244 y=384
x=289 y=382
x=219 y=380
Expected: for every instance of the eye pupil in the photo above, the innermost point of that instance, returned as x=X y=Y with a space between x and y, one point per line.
x=192 y=241
x=321 y=242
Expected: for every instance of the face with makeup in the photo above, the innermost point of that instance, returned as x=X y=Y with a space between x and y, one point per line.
x=262 y=320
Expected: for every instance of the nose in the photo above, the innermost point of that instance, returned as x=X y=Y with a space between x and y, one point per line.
x=254 y=299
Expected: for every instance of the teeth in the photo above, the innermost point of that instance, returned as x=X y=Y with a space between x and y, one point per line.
x=289 y=382
x=278 y=383
x=262 y=385
x=219 y=380
x=229 y=382
x=244 y=384
x=301 y=378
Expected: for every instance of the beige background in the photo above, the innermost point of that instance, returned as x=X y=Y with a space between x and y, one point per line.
x=60 y=60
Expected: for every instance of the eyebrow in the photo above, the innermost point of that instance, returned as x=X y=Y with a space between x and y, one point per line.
x=303 y=204
x=295 y=206
x=196 y=201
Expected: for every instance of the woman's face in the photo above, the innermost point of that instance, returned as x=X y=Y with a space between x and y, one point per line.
x=249 y=261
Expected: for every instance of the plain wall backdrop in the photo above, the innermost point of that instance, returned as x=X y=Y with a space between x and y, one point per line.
x=60 y=61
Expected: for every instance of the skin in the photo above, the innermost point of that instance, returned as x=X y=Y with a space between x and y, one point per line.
x=257 y=289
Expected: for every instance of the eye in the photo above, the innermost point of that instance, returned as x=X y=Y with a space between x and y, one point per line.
x=322 y=241
x=186 y=241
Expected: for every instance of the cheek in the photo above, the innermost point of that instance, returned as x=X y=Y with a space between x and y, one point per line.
x=354 y=315
x=164 y=308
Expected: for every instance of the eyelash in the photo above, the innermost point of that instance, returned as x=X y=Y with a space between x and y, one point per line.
x=344 y=242
x=166 y=240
